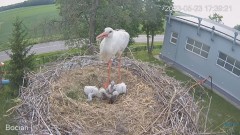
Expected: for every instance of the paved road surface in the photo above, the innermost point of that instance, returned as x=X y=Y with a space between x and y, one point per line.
x=59 y=45
x=143 y=38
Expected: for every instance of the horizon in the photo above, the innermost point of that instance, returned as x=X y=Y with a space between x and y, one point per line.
x=10 y=2
x=227 y=8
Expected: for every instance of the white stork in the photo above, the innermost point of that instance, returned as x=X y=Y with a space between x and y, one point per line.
x=114 y=42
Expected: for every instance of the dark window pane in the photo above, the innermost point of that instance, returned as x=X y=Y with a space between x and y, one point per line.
x=237 y=64
x=236 y=71
x=205 y=48
x=189 y=47
x=196 y=50
x=198 y=44
x=228 y=67
x=175 y=35
x=222 y=56
x=190 y=41
x=204 y=54
x=230 y=60
x=220 y=62
x=173 y=40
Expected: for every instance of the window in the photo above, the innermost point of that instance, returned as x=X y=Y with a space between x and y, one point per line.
x=229 y=63
x=197 y=47
x=174 y=37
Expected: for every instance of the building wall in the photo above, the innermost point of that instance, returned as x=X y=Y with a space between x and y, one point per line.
x=204 y=67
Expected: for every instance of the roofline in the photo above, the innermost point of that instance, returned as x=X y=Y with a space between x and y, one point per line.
x=220 y=33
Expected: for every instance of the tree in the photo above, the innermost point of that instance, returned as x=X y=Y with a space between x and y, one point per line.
x=86 y=18
x=124 y=14
x=216 y=17
x=20 y=61
x=237 y=27
x=79 y=19
x=153 y=18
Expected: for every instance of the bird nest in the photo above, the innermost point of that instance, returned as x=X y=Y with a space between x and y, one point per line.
x=54 y=101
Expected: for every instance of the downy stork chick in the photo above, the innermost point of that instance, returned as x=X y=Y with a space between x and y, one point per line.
x=111 y=87
x=92 y=91
x=118 y=89
x=103 y=94
x=121 y=88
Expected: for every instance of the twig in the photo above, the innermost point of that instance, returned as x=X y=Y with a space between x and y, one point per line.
x=205 y=124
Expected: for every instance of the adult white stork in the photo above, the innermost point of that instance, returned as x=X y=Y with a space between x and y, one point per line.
x=114 y=42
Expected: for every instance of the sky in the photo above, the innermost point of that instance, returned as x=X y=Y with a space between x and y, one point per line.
x=229 y=9
x=9 y=2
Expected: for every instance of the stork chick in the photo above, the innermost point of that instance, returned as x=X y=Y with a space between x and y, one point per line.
x=92 y=91
x=118 y=89
x=111 y=87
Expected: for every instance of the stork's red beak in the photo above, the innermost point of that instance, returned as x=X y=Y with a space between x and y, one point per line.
x=102 y=35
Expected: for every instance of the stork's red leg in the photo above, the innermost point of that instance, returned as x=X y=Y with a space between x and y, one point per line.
x=119 y=72
x=109 y=70
x=105 y=85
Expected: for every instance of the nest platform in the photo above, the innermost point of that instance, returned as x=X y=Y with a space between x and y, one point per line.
x=54 y=101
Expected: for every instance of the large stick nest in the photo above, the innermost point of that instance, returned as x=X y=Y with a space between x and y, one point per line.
x=54 y=102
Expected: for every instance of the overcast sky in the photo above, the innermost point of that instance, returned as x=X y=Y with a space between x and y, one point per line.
x=229 y=9
x=9 y=2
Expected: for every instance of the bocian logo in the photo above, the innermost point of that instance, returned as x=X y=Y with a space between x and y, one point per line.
x=16 y=128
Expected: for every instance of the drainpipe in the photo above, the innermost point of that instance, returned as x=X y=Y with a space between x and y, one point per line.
x=234 y=40
x=199 y=24
x=169 y=16
x=213 y=28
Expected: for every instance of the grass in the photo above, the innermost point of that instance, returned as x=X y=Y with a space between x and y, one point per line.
x=6 y=103
x=33 y=18
x=221 y=112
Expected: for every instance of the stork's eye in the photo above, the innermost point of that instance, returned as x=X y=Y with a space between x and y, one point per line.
x=110 y=31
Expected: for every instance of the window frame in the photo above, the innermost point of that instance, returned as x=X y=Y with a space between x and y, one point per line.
x=172 y=37
x=193 y=46
x=225 y=61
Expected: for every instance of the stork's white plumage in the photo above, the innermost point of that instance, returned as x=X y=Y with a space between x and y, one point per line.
x=114 y=42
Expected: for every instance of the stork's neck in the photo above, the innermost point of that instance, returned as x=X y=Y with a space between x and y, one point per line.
x=110 y=36
x=108 y=39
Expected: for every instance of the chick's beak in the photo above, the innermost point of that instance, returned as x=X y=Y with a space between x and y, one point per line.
x=102 y=35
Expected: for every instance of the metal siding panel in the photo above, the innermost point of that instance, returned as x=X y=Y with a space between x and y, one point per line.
x=225 y=79
x=189 y=59
x=206 y=67
x=169 y=50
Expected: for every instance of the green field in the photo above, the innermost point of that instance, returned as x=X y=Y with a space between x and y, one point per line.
x=33 y=18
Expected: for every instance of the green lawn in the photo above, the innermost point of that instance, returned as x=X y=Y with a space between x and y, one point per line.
x=33 y=18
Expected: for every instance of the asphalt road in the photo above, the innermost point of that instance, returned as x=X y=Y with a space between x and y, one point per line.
x=59 y=45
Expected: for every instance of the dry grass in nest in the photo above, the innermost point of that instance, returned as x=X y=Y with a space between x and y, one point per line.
x=131 y=114
x=54 y=102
